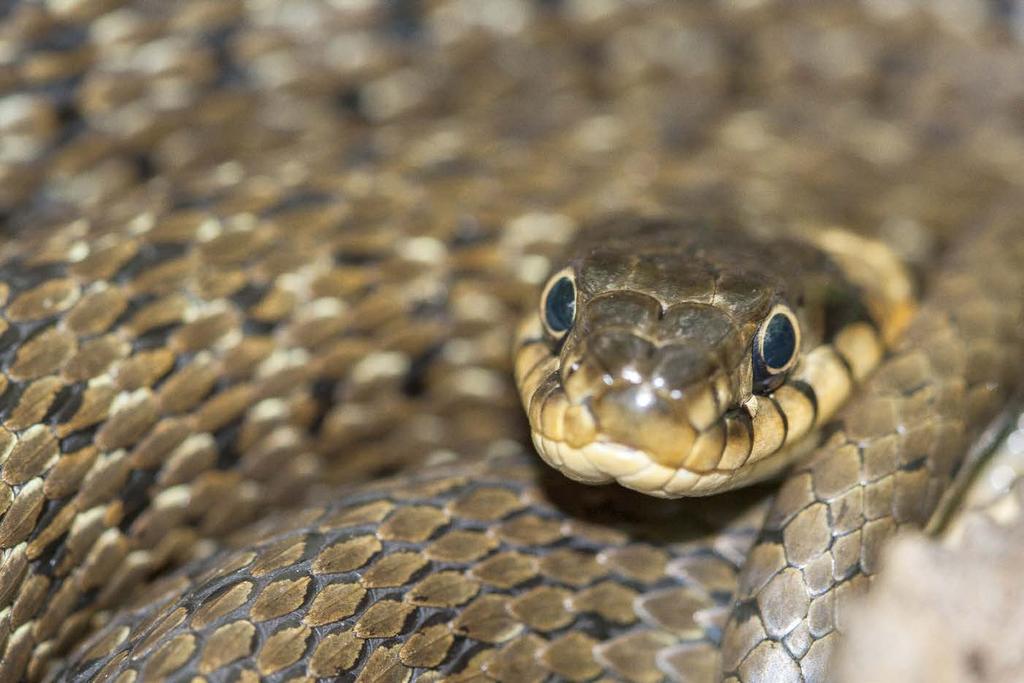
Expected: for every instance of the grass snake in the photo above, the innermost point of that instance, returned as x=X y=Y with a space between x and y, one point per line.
x=265 y=262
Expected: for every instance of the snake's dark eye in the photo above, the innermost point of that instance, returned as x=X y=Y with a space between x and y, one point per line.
x=558 y=304
x=776 y=348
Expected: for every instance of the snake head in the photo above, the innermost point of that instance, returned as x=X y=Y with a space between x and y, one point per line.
x=679 y=359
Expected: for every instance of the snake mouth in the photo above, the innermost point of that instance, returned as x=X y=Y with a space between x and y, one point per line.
x=602 y=441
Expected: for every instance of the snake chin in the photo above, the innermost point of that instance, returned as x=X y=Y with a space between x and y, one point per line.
x=602 y=462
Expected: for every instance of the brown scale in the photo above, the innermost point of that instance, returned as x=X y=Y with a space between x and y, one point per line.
x=930 y=587
x=481 y=569
x=261 y=252
x=890 y=458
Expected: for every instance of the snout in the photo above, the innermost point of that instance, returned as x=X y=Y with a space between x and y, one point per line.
x=639 y=417
x=644 y=394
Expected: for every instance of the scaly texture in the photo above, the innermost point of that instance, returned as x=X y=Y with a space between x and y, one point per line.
x=297 y=234
x=481 y=570
x=890 y=458
x=352 y=590
x=948 y=609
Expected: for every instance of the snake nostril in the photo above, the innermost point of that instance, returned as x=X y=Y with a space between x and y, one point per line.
x=583 y=380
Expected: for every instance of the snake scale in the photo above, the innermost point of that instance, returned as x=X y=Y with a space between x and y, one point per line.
x=262 y=269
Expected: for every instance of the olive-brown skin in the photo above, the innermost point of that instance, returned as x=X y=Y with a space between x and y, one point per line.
x=254 y=254
x=887 y=462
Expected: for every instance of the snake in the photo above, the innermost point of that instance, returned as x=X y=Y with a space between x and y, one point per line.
x=264 y=263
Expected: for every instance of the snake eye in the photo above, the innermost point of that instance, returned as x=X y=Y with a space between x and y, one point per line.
x=558 y=304
x=776 y=348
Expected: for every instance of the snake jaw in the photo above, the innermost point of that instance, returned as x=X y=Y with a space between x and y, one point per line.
x=601 y=462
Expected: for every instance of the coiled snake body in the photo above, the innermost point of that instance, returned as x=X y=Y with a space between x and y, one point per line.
x=266 y=262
